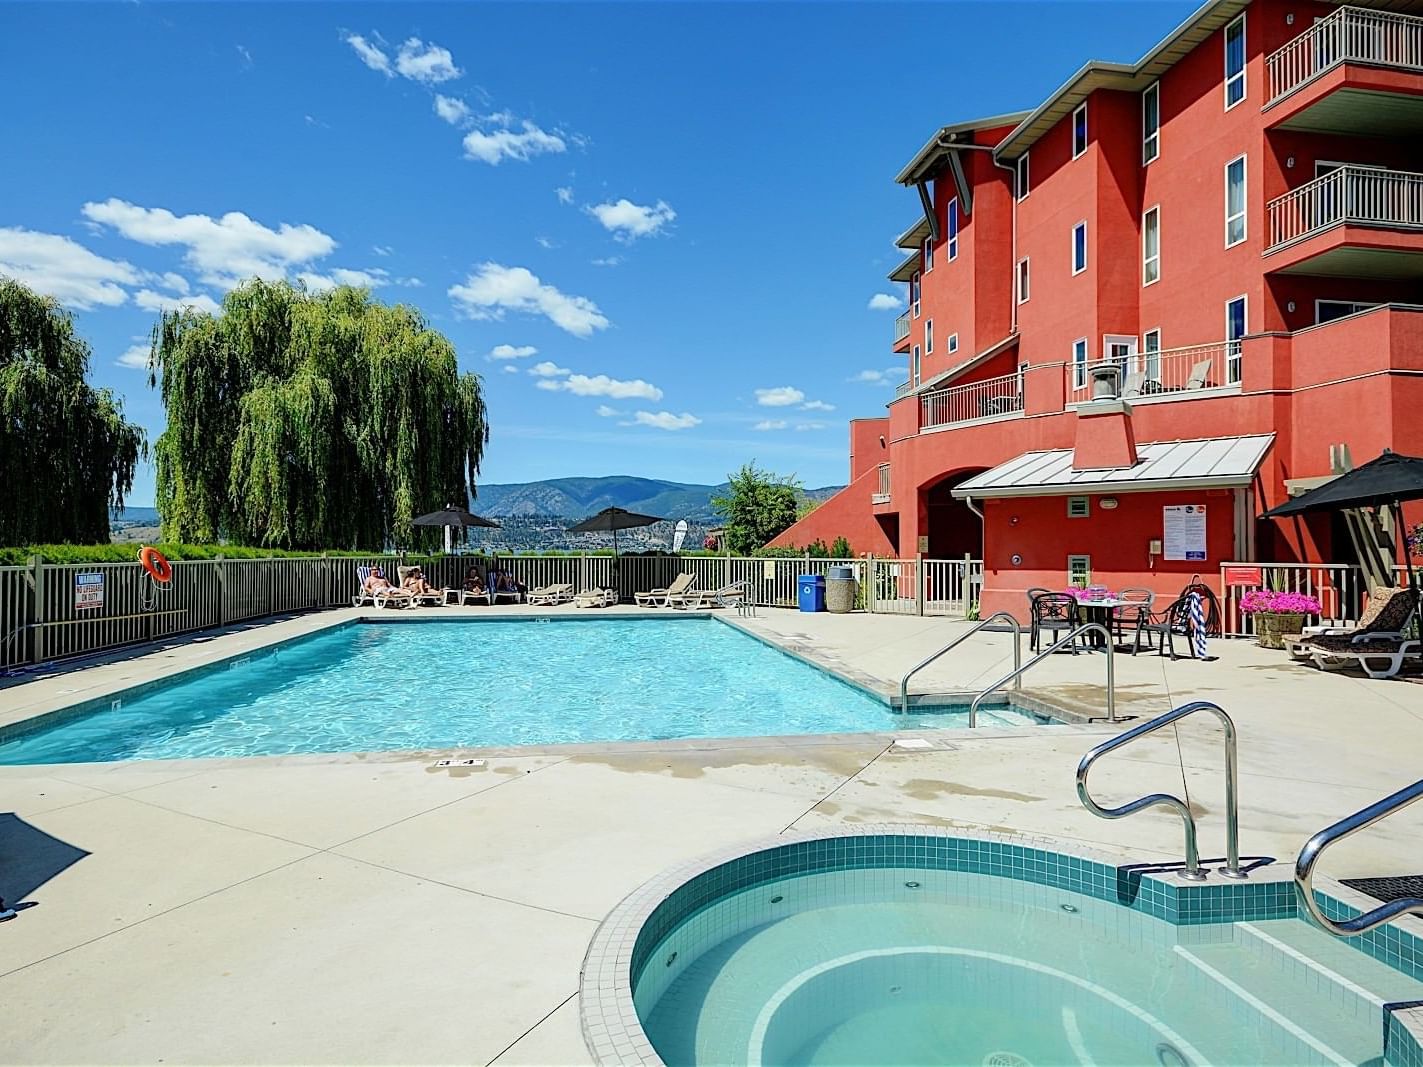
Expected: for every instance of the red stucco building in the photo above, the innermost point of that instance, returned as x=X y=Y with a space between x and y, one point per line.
x=1176 y=283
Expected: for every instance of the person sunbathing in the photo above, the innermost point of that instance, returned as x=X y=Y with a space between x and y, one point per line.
x=377 y=584
x=416 y=585
x=473 y=583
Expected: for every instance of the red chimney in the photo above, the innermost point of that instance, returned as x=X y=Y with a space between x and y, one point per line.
x=1104 y=437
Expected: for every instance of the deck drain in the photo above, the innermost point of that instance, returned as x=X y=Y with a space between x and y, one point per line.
x=777 y=899
x=671 y=960
x=1169 y=1055
x=1006 y=1059
x=1071 y=909
x=1399 y=887
x=911 y=885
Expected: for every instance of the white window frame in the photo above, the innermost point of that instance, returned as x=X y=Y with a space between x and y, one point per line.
x=951 y=229
x=1355 y=307
x=953 y=343
x=928 y=337
x=1232 y=344
x=1023 y=280
x=1080 y=109
x=1239 y=76
x=1079 y=366
x=916 y=365
x=1151 y=354
x=1146 y=259
x=916 y=292
x=1076 y=268
x=1083 y=563
x=1151 y=139
x=1022 y=178
x=926 y=251
x=1244 y=201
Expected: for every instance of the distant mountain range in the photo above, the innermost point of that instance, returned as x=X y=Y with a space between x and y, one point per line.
x=577 y=497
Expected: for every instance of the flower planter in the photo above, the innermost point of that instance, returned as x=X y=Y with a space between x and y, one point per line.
x=1272 y=629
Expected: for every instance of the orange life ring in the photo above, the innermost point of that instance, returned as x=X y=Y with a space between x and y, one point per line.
x=156 y=564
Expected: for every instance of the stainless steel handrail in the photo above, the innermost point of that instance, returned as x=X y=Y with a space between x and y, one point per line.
x=1352 y=824
x=960 y=639
x=1020 y=669
x=1193 y=871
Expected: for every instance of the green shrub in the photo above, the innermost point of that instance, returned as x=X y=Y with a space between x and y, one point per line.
x=841 y=549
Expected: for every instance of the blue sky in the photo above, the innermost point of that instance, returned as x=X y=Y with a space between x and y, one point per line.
x=668 y=219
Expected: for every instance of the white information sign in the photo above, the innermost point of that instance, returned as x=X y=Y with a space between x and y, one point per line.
x=89 y=591
x=1184 y=531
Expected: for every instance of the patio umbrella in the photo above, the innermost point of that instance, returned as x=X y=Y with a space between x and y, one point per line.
x=611 y=520
x=453 y=516
x=1384 y=482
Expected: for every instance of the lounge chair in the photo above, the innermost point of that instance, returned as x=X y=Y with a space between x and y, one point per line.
x=392 y=597
x=724 y=597
x=1377 y=645
x=1200 y=375
x=595 y=598
x=437 y=597
x=660 y=598
x=548 y=595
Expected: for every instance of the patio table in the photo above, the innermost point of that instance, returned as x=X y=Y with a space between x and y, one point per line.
x=1100 y=611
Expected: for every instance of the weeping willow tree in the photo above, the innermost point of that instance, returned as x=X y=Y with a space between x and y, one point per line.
x=300 y=420
x=66 y=452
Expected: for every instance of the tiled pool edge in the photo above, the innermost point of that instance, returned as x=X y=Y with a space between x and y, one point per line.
x=613 y=1032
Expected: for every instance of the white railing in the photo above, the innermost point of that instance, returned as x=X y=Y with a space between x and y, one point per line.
x=1360 y=195
x=977 y=400
x=1349 y=35
x=1166 y=374
x=903 y=389
x=881 y=494
x=924 y=587
x=1340 y=588
x=901 y=328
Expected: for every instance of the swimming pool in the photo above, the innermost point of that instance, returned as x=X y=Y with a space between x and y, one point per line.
x=917 y=946
x=366 y=687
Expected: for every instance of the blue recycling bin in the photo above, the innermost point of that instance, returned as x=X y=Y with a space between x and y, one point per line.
x=810 y=592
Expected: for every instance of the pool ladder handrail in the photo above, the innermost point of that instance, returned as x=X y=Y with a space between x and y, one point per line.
x=1345 y=827
x=1020 y=669
x=1193 y=872
x=746 y=604
x=960 y=639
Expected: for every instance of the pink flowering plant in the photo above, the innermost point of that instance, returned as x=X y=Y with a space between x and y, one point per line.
x=1269 y=602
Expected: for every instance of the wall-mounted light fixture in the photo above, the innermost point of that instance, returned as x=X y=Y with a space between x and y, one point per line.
x=1107 y=503
x=1290 y=306
x=1290 y=18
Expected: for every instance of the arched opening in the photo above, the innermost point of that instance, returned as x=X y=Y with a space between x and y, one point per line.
x=953 y=530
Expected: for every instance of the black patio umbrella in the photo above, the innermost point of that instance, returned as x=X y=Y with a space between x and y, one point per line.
x=453 y=516
x=612 y=520
x=1384 y=482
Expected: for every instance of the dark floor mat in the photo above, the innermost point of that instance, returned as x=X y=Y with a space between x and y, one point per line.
x=1386 y=889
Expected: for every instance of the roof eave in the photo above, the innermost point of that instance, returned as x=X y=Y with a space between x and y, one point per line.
x=905 y=271
x=1155 y=485
x=927 y=158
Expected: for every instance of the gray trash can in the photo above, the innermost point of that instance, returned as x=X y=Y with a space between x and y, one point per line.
x=840 y=592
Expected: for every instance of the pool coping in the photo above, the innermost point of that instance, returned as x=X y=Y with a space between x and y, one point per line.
x=613 y=1032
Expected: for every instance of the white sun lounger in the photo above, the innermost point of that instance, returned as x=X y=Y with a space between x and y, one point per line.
x=595 y=598
x=386 y=598
x=660 y=598
x=724 y=597
x=550 y=594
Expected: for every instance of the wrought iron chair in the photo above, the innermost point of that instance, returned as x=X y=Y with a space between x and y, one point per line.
x=1054 y=612
x=1132 y=604
x=1174 y=619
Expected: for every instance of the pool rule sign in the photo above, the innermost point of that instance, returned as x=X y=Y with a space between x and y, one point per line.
x=89 y=591
x=1184 y=531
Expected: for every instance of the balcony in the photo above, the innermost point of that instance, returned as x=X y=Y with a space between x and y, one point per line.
x=1352 y=222
x=992 y=398
x=901 y=328
x=1169 y=374
x=903 y=389
x=1354 y=72
x=881 y=496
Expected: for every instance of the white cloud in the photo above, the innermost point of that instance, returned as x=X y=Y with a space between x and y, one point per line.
x=426 y=63
x=628 y=221
x=770 y=424
x=64 y=269
x=564 y=194
x=382 y=250
x=545 y=242
x=176 y=282
x=665 y=420
x=780 y=397
x=148 y=300
x=246 y=55
x=136 y=357
x=512 y=351
x=548 y=370
x=224 y=250
x=878 y=377
x=509 y=368
x=602 y=385
x=607 y=412
x=494 y=289
x=607 y=261
x=452 y=110
x=885 y=302
x=810 y=426
x=370 y=54
x=495 y=145
x=817 y=405
x=362 y=279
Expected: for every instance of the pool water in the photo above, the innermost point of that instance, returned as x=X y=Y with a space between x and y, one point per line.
x=914 y=966
x=374 y=687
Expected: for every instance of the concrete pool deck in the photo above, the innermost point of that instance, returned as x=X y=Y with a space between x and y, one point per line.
x=379 y=909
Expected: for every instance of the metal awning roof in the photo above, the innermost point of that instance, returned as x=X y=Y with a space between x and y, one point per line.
x=931 y=157
x=1204 y=463
x=905 y=271
x=914 y=236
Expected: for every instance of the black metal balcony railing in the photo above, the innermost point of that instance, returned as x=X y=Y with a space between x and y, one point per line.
x=1364 y=196
x=1349 y=35
x=901 y=328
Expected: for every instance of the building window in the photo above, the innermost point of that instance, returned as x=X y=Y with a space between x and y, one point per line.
x=1151 y=246
x=1079 y=130
x=1151 y=355
x=927 y=250
x=1079 y=570
x=1022 y=281
x=953 y=343
x=1079 y=507
x=929 y=337
x=1079 y=363
x=1235 y=201
x=1329 y=310
x=1151 y=123
x=915 y=366
x=1235 y=63
x=914 y=293
x=1079 y=247
x=1234 y=331
x=1022 y=176
x=953 y=228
